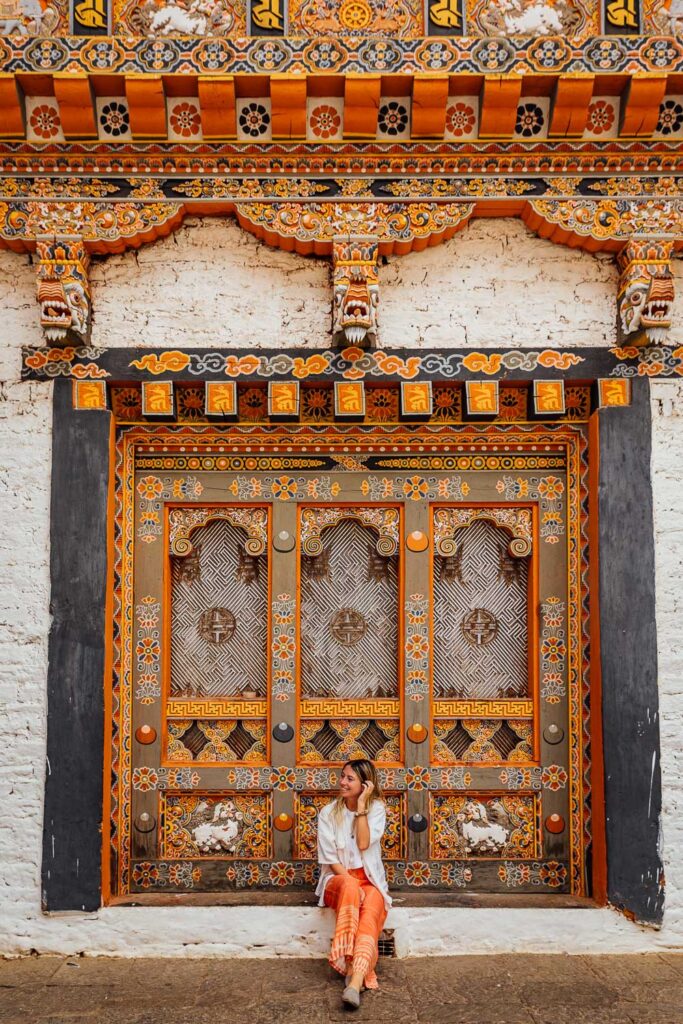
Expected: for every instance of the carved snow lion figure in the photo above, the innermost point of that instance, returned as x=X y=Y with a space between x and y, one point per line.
x=480 y=830
x=183 y=17
x=63 y=291
x=222 y=833
x=530 y=17
x=27 y=18
x=646 y=290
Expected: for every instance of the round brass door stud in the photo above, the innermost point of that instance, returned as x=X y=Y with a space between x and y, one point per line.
x=145 y=734
x=417 y=541
x=417 y=733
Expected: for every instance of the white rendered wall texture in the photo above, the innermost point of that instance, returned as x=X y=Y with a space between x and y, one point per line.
x=210 y=284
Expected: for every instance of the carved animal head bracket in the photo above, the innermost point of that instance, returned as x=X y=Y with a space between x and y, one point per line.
x=356 y=289
x=646 y=291
x=63 y=289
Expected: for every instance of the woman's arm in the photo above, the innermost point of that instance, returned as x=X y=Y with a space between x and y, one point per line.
x=338 y=869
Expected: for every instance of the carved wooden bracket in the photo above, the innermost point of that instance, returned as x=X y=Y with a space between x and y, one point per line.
x=63 y=289
x=643 y=233
x=356 y=289
x=646 y=291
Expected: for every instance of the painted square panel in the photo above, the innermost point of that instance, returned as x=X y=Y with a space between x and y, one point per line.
x=484 y=826
x=43 y=122
x=184 y=119
x=113 y=118
x=198 y=825
x=670 y=123
x=325 y=118
x=462 y=118
x=532 y=118
x=393 y=118
x=603 y=118
x=254 y=120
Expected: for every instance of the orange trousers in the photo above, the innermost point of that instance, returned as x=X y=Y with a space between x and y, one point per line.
x=354 y=945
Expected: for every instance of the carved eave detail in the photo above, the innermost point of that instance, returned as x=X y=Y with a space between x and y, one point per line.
x=642 y=233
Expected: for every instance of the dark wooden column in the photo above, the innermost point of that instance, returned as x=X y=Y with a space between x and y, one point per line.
x=71 y=869
x=630 y=700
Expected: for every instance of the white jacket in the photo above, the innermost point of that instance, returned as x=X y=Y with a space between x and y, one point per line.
x=333 y=849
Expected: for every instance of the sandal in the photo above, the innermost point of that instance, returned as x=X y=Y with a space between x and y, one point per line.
x=351 y=996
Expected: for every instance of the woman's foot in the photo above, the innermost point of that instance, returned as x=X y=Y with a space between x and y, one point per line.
x=351 y=996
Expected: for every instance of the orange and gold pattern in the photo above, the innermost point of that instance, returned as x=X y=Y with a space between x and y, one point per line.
x=91 y=394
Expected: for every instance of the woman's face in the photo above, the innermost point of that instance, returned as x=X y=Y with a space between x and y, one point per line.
x=349 y=783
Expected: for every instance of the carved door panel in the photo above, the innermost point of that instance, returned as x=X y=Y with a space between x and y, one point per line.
x=420 y=605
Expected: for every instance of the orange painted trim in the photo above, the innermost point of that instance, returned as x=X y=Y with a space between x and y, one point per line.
x=569 y=106
x=499 y=99
x=361 y=105
x=105 y=885
x=76 y=106
x=430 y=99
x=288 y=107
x=11 y=111
x=640 y=105
x=217 y=104
x=147 y=106
x=597 y=761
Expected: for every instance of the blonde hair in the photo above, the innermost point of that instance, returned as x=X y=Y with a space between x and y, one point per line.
x=366 y=772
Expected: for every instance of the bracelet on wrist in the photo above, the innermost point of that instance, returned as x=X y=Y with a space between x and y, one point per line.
x=360 y=814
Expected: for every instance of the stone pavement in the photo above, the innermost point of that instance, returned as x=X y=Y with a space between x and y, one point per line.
x=440 y=990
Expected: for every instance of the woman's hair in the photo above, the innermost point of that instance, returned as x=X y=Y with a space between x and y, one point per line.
x=366 y=772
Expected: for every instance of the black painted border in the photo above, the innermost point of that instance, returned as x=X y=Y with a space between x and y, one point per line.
x=628 y=659
x=77 y=657
x=72 y=837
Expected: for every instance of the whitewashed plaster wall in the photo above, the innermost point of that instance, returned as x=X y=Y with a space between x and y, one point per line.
x=210 y=284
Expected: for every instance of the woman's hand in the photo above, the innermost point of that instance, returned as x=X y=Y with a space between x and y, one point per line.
x=365 y=794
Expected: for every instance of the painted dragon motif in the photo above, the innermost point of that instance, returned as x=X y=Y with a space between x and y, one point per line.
x=356 y=289
x=63 y=289
x=646 y=290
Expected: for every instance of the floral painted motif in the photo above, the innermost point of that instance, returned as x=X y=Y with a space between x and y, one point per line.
x=553 y=651
x=549 y=490
x=254 y=120
x=554 y=777
x=529 y=120
x=178 y=875
x=670 y=118
x=325 y=121
x=460 y=119
x=148 y=650
x=283 y=647
x=601 y=117
x=114 y=119
x=44 y=121
x=185 y=120
x=417 y=647
x=393 y=118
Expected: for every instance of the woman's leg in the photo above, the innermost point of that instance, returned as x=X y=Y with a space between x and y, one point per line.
x=342 y=893
x=371 y=918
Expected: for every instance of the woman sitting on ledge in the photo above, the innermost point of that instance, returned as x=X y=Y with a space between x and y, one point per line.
x=352 y=879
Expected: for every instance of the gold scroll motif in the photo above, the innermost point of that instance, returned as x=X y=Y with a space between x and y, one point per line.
x=182 y=521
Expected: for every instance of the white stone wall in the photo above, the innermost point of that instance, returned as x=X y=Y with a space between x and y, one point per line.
x=210 y=284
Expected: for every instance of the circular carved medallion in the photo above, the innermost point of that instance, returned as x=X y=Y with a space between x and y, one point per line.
x=348 y=626
x=355 y=14
x=216 y=625
x=479 y=627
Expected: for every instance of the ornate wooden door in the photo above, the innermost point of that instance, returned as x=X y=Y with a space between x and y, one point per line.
x=289 y=598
